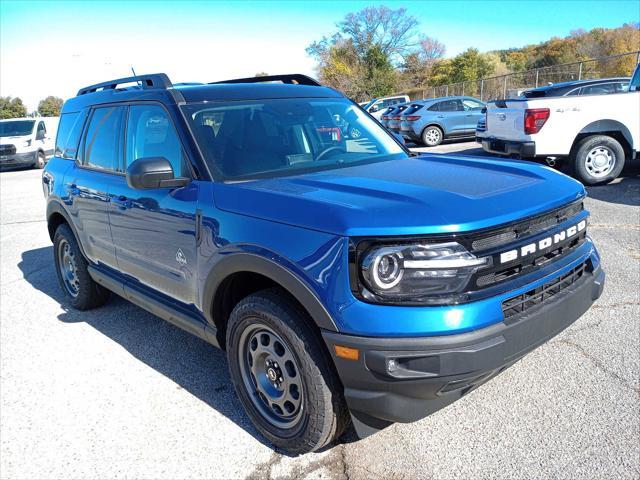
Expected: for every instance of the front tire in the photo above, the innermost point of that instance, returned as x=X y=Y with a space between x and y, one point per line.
x=282 y=375
x=598 y=159
x=80 y=290
x=40 y=160
x=432 y=136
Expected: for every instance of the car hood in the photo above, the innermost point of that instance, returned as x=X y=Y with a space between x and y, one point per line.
x=418 y=195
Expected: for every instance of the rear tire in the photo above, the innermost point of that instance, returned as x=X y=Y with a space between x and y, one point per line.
x=432 y=136
x=282 y=375
x=40 y=160
x=80 y=290
x=598 y=159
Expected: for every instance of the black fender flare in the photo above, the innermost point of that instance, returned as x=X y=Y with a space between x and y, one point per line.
x=54 y=206
x=253 y=263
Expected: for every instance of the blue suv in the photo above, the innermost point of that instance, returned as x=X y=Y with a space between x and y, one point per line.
x=349 y=280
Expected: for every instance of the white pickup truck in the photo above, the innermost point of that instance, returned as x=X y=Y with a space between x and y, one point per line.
x=596 y=134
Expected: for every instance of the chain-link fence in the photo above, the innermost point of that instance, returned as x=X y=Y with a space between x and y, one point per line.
x=512 y=84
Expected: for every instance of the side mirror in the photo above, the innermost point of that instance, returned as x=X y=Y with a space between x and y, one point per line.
x=374 y=108
x=151 y=173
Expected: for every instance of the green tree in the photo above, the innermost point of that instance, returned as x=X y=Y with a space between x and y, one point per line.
x=12 y=108
x=50 y=106
x=471 y=65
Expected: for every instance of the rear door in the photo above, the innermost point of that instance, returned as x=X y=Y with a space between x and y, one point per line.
x=154 y=231
x=87 y=183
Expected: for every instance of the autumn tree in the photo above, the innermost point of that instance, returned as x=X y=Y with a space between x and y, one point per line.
x=50 y=107
x=367 y=47
x=12 y=108
x=418 y=65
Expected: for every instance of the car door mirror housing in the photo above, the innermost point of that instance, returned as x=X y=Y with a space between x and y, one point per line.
x=374 y=109
x=152 y=173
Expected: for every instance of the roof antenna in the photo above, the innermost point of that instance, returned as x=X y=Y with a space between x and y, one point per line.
x=134 y=74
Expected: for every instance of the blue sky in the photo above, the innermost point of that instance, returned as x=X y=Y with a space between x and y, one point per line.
x=57 y=47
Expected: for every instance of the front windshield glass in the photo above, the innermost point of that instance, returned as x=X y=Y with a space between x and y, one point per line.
x=16 y=128
x=269 y=138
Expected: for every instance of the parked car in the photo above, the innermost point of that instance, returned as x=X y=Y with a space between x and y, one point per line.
x=377 y=106
x=580 y=87
x=384 y=118
x=596 y=134
x=432 y=121
x=26 y=141
x=481 y=126
x=345 y=282
x=393 y=124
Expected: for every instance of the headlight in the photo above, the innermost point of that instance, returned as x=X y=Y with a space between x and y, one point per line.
x=26 y=143
x=424 y=273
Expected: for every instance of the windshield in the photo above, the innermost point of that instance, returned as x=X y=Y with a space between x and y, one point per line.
x=278 y=137
x=16 y=128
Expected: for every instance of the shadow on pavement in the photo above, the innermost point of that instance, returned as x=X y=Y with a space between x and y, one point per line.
x=625 y=190
x=191 y=363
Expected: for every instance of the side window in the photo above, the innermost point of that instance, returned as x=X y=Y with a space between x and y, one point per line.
x=469 y=104
x=69 y=132
x=450 y=106
x=42 y=130
x=598 y=89
x=435 y=107
x=622 y=87
x=102 y=141
x=150 y=133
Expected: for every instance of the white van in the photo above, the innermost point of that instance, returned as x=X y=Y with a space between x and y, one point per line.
x=27 y=141
x=378 y=105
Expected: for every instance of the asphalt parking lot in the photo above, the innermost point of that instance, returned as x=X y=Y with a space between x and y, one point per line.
x=117 y=392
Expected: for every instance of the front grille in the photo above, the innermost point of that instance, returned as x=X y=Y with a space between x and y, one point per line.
x=521 y=303
x=7 y=149
x=524 y=229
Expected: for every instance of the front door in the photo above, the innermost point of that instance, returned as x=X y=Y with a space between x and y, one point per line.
x=154 y=231
x=472 y=113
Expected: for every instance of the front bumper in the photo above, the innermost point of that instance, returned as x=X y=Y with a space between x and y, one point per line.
x=508 y=147
x=18 y=159
x=406 y=379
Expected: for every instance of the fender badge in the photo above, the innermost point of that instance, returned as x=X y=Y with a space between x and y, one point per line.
x=180 y=258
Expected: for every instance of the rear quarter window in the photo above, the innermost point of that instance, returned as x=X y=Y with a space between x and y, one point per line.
x=69 y=133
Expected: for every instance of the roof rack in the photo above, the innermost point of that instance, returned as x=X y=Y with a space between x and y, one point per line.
x=293 y=79
x=154 y=80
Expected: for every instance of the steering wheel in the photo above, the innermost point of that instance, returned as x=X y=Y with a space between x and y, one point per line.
x=329 y=149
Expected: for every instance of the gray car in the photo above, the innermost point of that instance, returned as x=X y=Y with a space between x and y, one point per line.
x=432 y=121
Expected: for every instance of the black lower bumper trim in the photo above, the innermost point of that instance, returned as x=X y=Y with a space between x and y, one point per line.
x=507 y=147
x=406 y=379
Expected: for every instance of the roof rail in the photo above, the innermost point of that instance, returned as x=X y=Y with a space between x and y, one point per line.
x=293 y=78
x=154 y=80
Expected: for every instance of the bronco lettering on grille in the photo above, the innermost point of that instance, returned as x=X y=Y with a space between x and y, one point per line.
x=543 y=244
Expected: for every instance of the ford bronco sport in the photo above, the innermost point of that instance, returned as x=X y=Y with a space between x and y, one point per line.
x=347 y=279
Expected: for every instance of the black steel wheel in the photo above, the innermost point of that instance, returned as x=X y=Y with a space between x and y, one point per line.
x=282 y=373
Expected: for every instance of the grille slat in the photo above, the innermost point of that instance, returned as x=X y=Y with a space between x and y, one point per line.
x=7 y=149
x=526 y=228
x=523 y=302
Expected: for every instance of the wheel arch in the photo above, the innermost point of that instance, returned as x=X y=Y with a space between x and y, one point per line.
x=57 y=215
x=610 y=128
x=240 y=274
x=434 y=124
